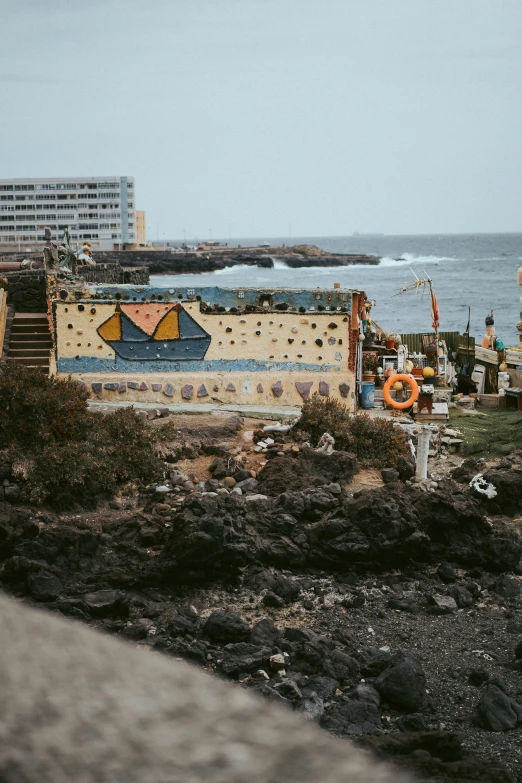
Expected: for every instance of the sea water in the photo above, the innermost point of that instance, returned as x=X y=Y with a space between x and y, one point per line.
x=475 y=270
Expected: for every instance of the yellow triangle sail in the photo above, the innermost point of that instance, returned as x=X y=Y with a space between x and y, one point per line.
x=168 y=328
x=111 y=329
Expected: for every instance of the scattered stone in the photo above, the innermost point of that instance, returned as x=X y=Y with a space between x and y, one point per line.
x=442 y=604
x=44 y=586
x=389 y=475
x=107 y=603
x=446 y=572
x=223 y=625
x=496 y=711
x=403 y=683
x=273 y=600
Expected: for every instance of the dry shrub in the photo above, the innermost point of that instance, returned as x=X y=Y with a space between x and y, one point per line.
x=375 y=442
x=62 y=453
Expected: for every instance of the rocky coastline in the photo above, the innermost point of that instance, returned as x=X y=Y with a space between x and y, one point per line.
x=384 y=610
x=213 y=259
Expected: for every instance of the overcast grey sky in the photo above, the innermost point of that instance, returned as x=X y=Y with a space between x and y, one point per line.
x=334 y=116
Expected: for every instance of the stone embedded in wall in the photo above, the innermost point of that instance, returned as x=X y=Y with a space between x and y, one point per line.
x=319 y=342
x=344 y=389
x=111 y=386
x=168 y=391
x=277 y=389
x=143 y=386
x=133 y=385
x=202 y=391
x=156 y=387
x=187 y=392
x=260 y=388
x=122 y=388
x=324 y=388
x=303 y=387
x=231 y=388
x=82 y=384
x=97 y=387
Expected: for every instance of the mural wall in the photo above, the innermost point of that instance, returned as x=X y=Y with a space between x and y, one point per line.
x=248 y=346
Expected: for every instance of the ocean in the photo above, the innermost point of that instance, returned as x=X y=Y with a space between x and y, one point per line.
x=476 y=270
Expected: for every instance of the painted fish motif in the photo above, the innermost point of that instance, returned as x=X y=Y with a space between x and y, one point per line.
x=154 y=331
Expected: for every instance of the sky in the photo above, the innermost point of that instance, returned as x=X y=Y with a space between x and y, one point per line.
x=271 y=118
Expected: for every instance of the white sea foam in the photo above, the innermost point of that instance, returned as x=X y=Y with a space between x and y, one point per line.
x=279 y=263
x=232 y=270
x=407 y=259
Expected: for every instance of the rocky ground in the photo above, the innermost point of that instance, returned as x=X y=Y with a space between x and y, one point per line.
x=387 y=611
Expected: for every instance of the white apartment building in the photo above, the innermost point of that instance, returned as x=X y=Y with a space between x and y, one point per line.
x=100 y=209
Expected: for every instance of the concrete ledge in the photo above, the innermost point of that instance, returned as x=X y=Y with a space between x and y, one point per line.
x=279 y=413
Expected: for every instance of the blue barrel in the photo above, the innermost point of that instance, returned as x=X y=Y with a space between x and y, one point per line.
x=367 y=394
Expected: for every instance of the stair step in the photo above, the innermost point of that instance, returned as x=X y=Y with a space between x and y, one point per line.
x=30 y=361
x=30 y=316
x=31 y=351
x=17 y=328
x=34 y=339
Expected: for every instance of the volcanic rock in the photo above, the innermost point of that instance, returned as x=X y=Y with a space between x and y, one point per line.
x=496 y=711
x=403 y=683
x=223 y=625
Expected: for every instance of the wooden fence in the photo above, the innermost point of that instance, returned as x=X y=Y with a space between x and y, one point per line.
x=454 y=340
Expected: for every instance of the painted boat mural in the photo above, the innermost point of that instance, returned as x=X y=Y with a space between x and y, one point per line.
x=154 y=331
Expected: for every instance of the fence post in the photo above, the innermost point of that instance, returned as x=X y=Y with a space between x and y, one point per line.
x=423 y=447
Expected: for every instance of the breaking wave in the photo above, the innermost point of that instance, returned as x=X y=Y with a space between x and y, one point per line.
x=407 y=259
x=231 y=270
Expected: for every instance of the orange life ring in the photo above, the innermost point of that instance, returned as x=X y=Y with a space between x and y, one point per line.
x=412 y=383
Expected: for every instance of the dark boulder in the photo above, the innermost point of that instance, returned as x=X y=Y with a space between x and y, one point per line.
x=496 y=711
x=223 y=625
x=352 y=718
x=44 y=586
x=243 y=658
x=107 y=603
x=265 y=633
x=403 y=683
x=416 y=721
x=286 y=589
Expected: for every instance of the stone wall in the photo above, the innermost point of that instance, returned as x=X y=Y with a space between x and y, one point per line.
x=245 y=346
x=26 y=291
x=113 y=273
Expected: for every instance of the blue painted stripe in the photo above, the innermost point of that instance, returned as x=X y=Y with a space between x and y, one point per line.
x=91 y=364
x=230 y=297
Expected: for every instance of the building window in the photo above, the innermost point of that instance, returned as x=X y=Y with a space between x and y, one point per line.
x=6 y=198
x=24 y=187
x=45 y=197
x=108 y=185
x=6 y=187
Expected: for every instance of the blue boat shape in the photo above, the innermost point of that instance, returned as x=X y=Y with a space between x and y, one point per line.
x=148 y=332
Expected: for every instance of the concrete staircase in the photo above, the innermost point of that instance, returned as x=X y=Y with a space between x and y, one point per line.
x=30 y=341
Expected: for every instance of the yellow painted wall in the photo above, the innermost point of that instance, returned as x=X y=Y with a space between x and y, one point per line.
x=240 y=343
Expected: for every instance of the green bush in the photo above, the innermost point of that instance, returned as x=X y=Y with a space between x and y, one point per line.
x=62 y=453
x=375 y=442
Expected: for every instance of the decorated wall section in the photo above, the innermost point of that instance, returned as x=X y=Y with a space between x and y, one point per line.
x=246 y=346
